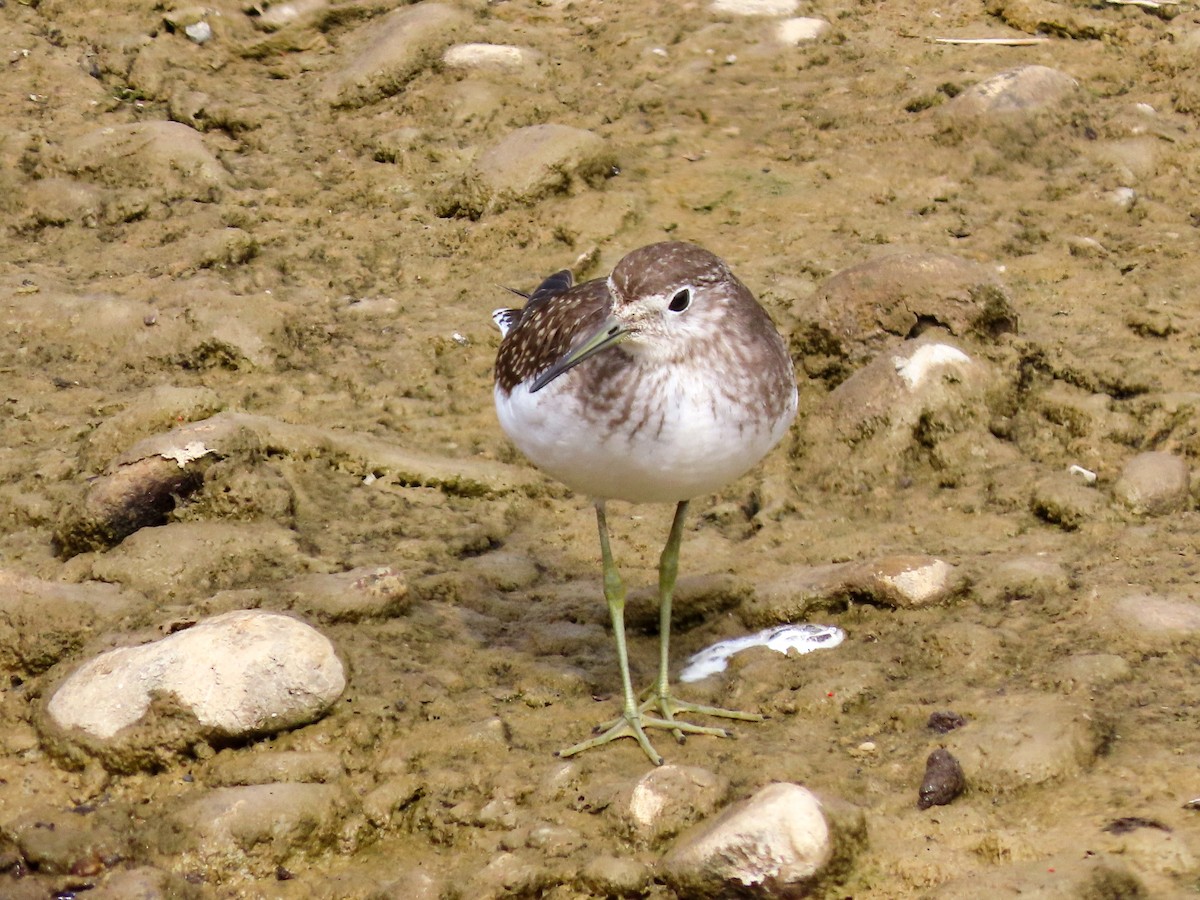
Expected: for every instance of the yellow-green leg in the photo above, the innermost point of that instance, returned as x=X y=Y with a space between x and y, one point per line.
x=632 y=722
x=661 y=699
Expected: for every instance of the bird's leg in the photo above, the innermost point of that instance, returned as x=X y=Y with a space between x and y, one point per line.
x=661 y=699
x=631 y=722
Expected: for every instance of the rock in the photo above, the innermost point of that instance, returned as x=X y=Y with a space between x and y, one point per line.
x=192 y=559
x=552 y=841
x=1020 y=740
x=1048 y=878
x=133 y=496
x=62 y=201
x=910 y=581
x=392 y=795
x=667 y=799
x=61 y=841
x=617 y=876
x=943 y=781
x=1035 y=578
x=529 y=164
x=402 y=43
x=167 y=159
x=1089 y=671
x=369 y=592
x=1145 y=617
x=1123 y=197
x=922 y=407
x=1021 y=90
x=493 y=57
x=155 y=410
x=1047 y=17
x=1062 y=500
x=231 y=767
x=861 y=310
x=777 y=842
x=231 y=677
x=794 y=32
x=945 y=721
x=141 y=486
x=199 y=32
x=1149 y=847
x=755 y=7
x=793 y=597
x=41 y=622
x=1154 y=484
x=506 y=875
x=255 y=828
x=907 y=582
x=279 y=15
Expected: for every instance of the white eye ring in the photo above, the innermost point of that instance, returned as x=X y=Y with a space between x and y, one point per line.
x=681 y=301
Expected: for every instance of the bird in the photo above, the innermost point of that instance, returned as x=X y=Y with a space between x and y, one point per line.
x=661 y=383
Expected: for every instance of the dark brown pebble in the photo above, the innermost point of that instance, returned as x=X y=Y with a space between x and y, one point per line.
x=1126 y=824
x=944 y=721
x=944 y=780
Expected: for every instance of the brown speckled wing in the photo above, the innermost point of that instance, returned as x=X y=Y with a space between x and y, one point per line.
x=556 y=317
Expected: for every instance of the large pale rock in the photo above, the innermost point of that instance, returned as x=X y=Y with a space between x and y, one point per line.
x=1153 y=484
x=775 y=843
x=236 y=675
x=403 y=43
x=527 y=165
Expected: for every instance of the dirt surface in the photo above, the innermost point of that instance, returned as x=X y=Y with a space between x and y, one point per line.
x=251 y=225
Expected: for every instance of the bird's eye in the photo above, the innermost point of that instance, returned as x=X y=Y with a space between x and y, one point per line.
x=680 y=301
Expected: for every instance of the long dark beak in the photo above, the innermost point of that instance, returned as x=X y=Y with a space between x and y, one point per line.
x=609 y=334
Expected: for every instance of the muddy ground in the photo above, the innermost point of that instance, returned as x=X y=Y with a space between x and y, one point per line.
x=309 y=258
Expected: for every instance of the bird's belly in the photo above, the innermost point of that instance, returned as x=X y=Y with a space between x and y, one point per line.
x=674 y=442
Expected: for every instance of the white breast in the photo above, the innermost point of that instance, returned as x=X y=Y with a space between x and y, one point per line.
x=682 y=442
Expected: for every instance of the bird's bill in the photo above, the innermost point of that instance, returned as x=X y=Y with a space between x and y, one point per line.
x=609 y=334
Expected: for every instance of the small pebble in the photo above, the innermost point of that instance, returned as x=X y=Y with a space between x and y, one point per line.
x=1087 y=476
x=199 y=32
x=1124 y=197
x=944 y=780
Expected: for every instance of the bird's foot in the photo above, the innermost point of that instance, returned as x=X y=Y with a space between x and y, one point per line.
x=666 y=707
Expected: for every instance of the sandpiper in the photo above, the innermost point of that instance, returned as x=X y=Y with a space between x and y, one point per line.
x=661 y=383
